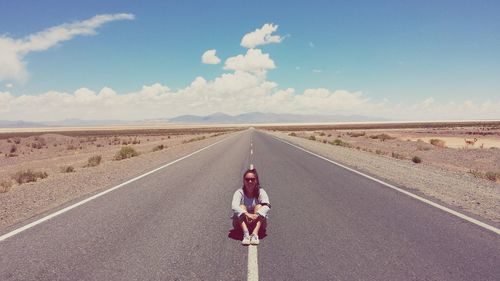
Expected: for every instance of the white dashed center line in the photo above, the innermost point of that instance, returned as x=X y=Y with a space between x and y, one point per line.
x=253 y=265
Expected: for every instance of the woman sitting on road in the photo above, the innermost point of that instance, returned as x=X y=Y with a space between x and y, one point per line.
x=250 y=207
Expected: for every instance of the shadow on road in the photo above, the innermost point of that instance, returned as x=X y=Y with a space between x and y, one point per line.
x=237 y=234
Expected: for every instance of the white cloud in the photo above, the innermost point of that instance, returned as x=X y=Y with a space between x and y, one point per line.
x=232 y=93
x=13 y=51
x=261 y=36
x=209 y=57
x=317 y=70
x=9 y=85
x=253 y=61
x=427 y=102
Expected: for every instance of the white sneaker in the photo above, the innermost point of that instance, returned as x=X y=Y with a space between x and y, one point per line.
x=246 y=240
x=254 y=239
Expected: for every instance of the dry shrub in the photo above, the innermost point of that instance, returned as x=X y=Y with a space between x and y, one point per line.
x=67 y=169
x=71 y=147
x=322 y=134
x=416 y=159
x=292 y=134
x=312 y=137
x=356 y=134
x=125 y=152
x=194 y=139
x=39 y=143
x=94 y=161
x=5 y=186
x=397 y=155
x=336 y=142
x=13 y=148
x=492 y=176
x=158 y=147
x=437 y=142
x=476 y=173
x=26 y=176
x=382 y=137
x=424 y=148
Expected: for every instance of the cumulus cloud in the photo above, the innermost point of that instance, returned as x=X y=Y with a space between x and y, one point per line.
x=232 y=93
x=253 y=61
x=9 y=85
x=13 y=51
x=261 y=36
x=209 y=57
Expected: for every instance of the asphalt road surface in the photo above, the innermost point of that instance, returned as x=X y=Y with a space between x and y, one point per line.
x=326 y=223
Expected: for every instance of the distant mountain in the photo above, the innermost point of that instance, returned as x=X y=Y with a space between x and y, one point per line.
x=19 y=124
x=64 y=123
x=216 y=118
x=83 y=123
x=258 y=117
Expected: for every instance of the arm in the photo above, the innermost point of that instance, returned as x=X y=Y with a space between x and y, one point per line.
x=235 y=204
x=264 y=201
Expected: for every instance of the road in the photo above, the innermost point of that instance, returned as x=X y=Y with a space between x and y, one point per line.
x=326 y=223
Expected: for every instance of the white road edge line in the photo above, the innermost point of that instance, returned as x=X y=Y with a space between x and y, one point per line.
x=443 y=208
x=253 y=264
x=251 y=151
x=64 y=210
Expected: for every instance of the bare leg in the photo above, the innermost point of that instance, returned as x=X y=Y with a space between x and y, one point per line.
x=243 y=224
x=259 y=223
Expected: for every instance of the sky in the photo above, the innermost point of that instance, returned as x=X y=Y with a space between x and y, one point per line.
x=134 y=60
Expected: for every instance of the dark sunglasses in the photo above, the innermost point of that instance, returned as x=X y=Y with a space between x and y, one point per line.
x=250 y=179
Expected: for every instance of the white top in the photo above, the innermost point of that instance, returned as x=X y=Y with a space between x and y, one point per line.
x=239 y=198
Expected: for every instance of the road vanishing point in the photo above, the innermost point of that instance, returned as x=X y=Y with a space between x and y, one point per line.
x=326 y=223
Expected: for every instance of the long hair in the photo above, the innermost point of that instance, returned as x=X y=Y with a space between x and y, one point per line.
x=256 y=191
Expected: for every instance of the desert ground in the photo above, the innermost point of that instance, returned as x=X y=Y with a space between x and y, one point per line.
x=457 y=164
x=472 y=148
x=46 y=168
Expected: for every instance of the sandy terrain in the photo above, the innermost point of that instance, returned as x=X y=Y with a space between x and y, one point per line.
x=480 y=156
x=52 y=153
x=466 y=177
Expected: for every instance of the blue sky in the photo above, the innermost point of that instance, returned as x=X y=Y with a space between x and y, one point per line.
x=434 y=55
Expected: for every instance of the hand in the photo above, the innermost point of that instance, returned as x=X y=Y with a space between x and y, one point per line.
x=251 y=217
